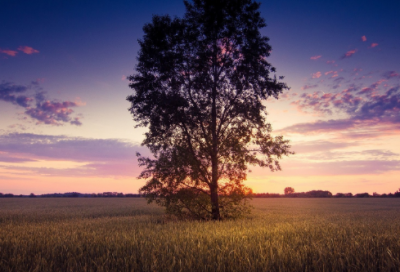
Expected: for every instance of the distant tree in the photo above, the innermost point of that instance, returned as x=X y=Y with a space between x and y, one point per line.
x=363 y=195
x=288 y=190
x=32 y=195
x=199 y=86
x=318 y=193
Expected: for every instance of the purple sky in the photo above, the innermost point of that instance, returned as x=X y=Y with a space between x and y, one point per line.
x=65 y=126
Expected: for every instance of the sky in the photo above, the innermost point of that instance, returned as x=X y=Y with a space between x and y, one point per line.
x=64 y=120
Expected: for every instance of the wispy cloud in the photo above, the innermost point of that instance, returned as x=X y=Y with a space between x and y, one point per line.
x=9 y=52
x=100 y=157
x=316 y=57
x=391 y=74
x=12 y=93
x=25 y=49
x=349 y=54
x=374 y=45
x=28 y=50
x=306 y=87
x=365 y=109
x=341 y=167
x=316 y=75
x=319 y=146
x=363 y=38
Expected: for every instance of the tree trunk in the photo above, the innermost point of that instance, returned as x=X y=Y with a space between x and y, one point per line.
x=214 y=158
x=215 y=203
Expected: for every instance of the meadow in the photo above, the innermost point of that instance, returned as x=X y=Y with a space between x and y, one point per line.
x=126 y=234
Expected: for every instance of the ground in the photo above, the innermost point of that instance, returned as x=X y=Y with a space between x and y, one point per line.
x=126 y=234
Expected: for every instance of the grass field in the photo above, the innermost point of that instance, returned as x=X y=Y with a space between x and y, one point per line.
x=113 y=234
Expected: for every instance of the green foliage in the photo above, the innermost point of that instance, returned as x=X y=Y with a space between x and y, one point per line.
x=199 y=87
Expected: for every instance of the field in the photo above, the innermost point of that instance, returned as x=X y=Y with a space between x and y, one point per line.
x=126 y=234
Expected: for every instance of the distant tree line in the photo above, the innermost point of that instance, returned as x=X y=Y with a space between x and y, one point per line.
x=75 y=194
x=288 y=193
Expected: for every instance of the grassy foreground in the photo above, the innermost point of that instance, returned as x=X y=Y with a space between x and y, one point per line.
x=112 y=234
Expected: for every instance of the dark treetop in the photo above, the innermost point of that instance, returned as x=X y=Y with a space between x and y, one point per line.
x=199 y=87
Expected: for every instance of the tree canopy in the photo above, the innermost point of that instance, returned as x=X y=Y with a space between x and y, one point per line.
x=288 y=190
x=199 y=87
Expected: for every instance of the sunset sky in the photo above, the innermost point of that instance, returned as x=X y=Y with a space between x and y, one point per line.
x=65 y=124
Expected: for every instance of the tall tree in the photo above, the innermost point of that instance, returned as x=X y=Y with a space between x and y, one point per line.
x=199 y=86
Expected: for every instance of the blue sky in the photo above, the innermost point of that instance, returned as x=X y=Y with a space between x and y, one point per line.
x=63 y=68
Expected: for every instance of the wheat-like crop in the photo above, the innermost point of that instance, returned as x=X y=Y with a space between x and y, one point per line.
x=112 y=234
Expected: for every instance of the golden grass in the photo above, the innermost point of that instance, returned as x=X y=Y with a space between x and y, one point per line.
x=112 y=234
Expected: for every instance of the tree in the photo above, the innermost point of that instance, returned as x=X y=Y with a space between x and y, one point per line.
x=288 y=190
x=199 y=86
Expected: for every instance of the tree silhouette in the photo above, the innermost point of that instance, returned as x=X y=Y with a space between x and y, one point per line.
x=288 y=190
x=199 y=86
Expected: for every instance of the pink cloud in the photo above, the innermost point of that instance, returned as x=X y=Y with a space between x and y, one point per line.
x=76 y=122
x=51 y=112
x=316 y=75
x=11 y=53
x=374 y=45
x=364 y=39
x=27 y=50
x=349 y=53
x=79 y=103
x=315 y=57
x=330 y=61
x=369 y=111
x=44 y=111
x=306 y=87
x=391 y=74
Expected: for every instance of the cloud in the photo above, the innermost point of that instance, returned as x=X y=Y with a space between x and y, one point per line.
x=12 y=159
x=364 y=109
x=76 y=122
x=349 y=54
x=50 y=147
x=315 y=57
x=28 y=50
x=306 y=87
x=351 y=155
x=336 y=82
x=374 y=45
x=339 y=168
x=364 y=39
x=316 y=75
x=391 y=74
x=320 y=126
x=333 y=73
x=51 y=112
x=44 y=111
x=330 y=61
x=9 y=93
x=97 y=157
x=319 y=146
x=8 y=52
